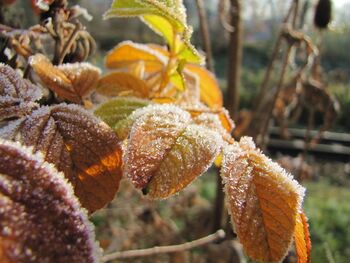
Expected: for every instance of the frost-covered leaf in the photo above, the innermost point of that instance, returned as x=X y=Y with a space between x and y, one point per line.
x=167 y=18
x=192 y=154
x=263 y=200
x=302 y=239
x=166 y=152
x=85 y=149
x=122 y=84
x=115 y=113
x=210 y=92
x=70 y=81
x=17 y=95
x=212 y=122
x=128 y=53
x=40 y=218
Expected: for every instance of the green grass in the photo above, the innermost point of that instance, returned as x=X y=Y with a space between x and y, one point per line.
x=328 y=209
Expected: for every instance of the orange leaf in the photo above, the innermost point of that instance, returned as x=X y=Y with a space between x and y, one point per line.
x=166 y=151
x=69 y=81
x=263 y=201
x=302 y=239
x=128 y=53
x=85 y=149
x=41 y=219
x=122 y=84
x=210 y=92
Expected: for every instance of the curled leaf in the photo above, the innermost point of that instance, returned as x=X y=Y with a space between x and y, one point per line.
x=17 y=95
x=40 y=218
x=85 y=149
x=263 y=200
x=302 y=239
x=210 y=93
x=70 y=81
x=166 y=152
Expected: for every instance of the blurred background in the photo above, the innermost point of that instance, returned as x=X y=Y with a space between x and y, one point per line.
x=325 y=171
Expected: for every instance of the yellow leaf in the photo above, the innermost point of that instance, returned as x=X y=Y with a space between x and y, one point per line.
x=263 y=200
x=128 y=53
x=302 y=239
x=162 y=26
x=210 y=92
x=122 y=84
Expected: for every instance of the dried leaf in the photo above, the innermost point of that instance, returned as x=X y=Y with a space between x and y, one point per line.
x=128 y=53
x=263 y=200
x=210 y=92
x=17 y=95
x=70 y=81
x=40 y=218
x=302 y=239
x=116 y=113
x=166 y=152
x=122 y=84
x=85 y=149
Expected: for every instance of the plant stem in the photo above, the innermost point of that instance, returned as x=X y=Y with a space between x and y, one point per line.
x=203 y=22
x=218 y=235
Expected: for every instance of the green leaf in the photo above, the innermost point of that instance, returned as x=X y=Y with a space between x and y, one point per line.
x=116 y=113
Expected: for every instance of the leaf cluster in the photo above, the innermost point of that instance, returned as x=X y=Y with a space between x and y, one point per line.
x=159 y=121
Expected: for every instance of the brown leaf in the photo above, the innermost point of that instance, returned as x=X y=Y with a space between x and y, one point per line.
x=302 y=239
x=263 y=200
x=17 y=95
x=40 y=218
x=85 y=149
x=166 y=152
x=70 y=81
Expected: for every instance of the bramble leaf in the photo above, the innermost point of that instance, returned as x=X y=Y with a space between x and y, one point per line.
x=85 y=149
x=167 y=18
x=302 y=239
x=17 y=95
x=69 y=81
x=115 y=113
x=166 y=151
x=263 y=200
x=128 y=53
x=210 y=92
x=122 y=84
x=40 y=218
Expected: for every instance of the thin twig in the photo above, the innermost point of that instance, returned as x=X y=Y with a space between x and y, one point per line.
x=218 y=235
